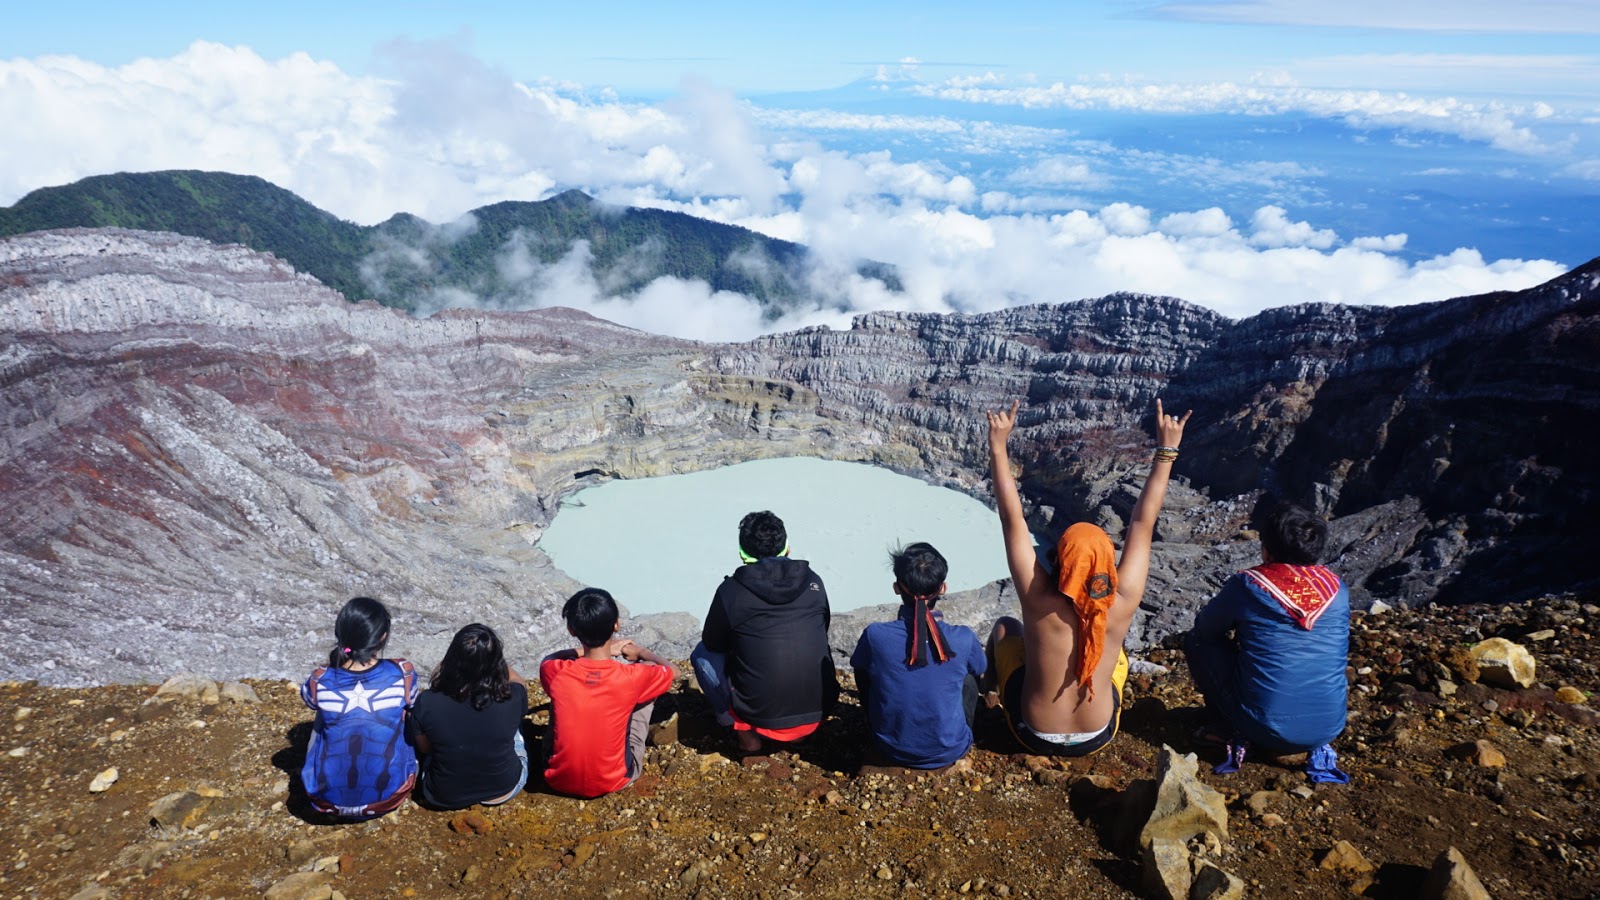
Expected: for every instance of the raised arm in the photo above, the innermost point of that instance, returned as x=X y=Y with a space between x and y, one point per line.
x=1013 y=527
x=1135 y=565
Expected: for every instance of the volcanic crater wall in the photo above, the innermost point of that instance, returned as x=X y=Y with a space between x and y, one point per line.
x=202 y=452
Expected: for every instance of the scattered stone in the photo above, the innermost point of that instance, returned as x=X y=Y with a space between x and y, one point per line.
x=1570 y=694
x=709 y=760
x=1052 y=777
x=1304 y=792
x=302 y=886
x=300 y=853
x=1038 y=763
x=1452 y=879
x=470 y=822
x=17 y=752
x=1168 y=870
x=1503 y=663
x=1212 y=883
x=883 y=873
x=1345 y=859
x=833 y=798
x=1259 y=801
x=584 y=852
x=1480 y=753
x=1272 y=820
x=22 y=713
x=1543 y=635
x=152 y=709
x=92 y=892
x=1378 y=608
x=777 y=771
x=238 y=692
x=178 y=810
x=189 y=686
x=1462 y=664
x=103 y=781
x=471 y=874
x=664 y=734
x=690 y=876
x=326 y=864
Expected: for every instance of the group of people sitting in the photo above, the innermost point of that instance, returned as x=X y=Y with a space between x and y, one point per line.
x=1268 y=653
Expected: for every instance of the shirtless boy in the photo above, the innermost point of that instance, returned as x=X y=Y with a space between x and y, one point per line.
x=1059 y=672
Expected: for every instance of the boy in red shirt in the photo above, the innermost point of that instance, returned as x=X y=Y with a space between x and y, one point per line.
x=599 y=707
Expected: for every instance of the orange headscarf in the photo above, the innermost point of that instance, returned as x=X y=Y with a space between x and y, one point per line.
x=1086 y=571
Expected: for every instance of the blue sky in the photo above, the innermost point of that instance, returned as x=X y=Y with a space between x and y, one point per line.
x=1237 y=154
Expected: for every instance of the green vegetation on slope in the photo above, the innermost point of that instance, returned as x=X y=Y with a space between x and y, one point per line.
x=406 y=262
x=217 y=206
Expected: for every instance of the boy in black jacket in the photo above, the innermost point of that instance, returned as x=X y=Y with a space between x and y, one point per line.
x=763 y=661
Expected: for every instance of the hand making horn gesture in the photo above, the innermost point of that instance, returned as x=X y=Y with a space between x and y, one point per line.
x=1169 y=433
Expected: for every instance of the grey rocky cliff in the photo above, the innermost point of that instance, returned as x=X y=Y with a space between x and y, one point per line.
x=203 y=453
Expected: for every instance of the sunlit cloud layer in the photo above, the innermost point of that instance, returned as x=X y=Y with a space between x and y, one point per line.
x=443 y=133
x=1491 y=16
x=1496 y=124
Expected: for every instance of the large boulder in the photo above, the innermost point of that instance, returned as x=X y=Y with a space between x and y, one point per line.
x=1185 y=806
x=1503 y=663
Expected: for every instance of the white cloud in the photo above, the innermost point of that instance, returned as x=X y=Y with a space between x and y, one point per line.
x=1205 y=223
x=445 y=134
x=1389 y=243
x=1125 y=219
x=1056 y=171
x=1492 y=123
x=1587 y=169
x=1493 y=16
x=1272 y=228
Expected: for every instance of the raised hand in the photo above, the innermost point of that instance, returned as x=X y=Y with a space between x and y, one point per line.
x=1169 y=429
x=1000 y=425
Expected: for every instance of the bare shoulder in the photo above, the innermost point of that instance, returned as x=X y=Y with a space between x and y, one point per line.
x=1043 y=603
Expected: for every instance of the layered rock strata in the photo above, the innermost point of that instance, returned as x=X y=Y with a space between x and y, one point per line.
x=202 y=452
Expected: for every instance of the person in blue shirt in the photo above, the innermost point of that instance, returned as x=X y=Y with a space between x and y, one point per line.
x=360 y=763
x=917 y=676
x=1269 y=651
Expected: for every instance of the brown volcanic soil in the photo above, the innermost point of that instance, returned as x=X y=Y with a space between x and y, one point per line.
x=821 y=823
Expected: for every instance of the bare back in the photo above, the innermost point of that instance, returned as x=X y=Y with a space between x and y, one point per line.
x=1052 y=699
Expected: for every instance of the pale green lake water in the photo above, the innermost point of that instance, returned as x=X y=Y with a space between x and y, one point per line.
x=664 y=544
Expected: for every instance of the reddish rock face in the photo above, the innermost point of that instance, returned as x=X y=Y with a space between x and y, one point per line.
x=203 y=453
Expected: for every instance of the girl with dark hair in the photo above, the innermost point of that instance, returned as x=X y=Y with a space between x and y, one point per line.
x=359 y=764
x=468 y=724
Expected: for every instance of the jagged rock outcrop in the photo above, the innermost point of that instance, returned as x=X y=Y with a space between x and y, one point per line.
x=203 y=452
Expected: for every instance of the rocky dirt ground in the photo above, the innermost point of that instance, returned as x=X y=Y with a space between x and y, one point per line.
x=823 y=821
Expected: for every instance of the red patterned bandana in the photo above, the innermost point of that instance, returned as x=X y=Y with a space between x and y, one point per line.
x=1304 y=592
x=922 y=630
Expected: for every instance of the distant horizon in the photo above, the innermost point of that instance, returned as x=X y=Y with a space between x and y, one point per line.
x=1240 y=155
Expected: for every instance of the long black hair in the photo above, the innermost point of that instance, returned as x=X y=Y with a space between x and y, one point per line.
x=474 y=669
x=360 y=632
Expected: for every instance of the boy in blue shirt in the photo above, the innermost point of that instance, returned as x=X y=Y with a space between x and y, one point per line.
x=917 y=676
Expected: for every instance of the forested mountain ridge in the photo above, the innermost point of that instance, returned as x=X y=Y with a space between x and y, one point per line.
x=406 y=261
